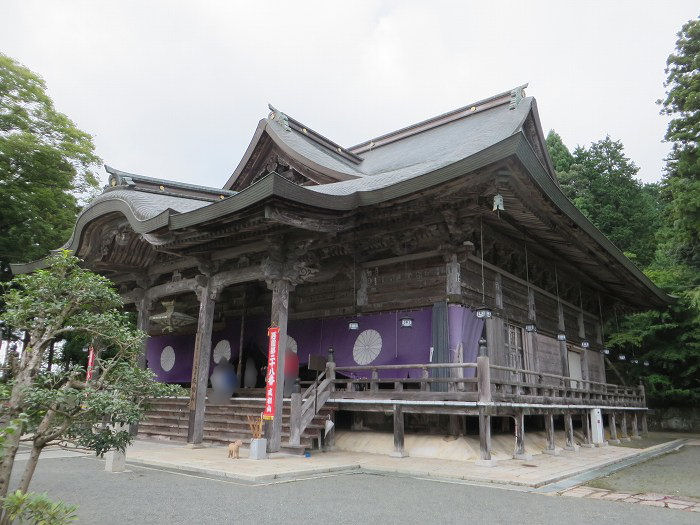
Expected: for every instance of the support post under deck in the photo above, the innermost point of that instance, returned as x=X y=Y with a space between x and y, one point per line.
x=549 y=430
x=399 y=451
x=613 y=428
x=635 y=427
x=623 y=427
x=586 y=427
x=519 y=452
x=569 y=430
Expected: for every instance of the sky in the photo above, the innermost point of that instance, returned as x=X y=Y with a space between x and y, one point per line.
x=175 y=90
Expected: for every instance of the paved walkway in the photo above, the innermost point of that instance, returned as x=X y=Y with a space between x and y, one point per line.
x=212 y=461
x=651 y=499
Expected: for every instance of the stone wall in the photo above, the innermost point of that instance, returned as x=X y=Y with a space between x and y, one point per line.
x=685 y=419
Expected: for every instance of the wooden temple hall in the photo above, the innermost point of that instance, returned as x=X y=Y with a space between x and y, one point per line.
x=432 y=280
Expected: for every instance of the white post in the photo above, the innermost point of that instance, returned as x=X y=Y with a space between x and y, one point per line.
x=597 y=436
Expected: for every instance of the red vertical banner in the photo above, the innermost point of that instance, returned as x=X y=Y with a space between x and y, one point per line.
x=273 y=333
x=91 y=363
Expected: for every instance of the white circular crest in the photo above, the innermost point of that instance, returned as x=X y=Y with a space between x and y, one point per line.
x=222 y=350
x=167 y=358
x=291 y=344
x=367 y=347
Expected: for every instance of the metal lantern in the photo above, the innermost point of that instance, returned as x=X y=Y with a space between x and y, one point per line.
x=561 y=336
x=531 y=327
x=406 y=322
x=622 y=357
x=353 y=325
x=646 y=363
x=483 y=312
x=606 y=351
x=585 y=344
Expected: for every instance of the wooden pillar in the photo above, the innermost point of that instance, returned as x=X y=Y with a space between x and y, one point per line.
x=645 y=428
x=569 y=429
x=374 y=383
x=453 y=281
x=623 y=427
x=241 y=339
x=399 y=451
x=143 y=307
x=549 y=430
x=613 y=428
x=586 y=427
x=635 y=427
x=563 y=351
x=279 y=317
x=200 y=365
x=483 y=378
x=519 y=452
x=484 y=437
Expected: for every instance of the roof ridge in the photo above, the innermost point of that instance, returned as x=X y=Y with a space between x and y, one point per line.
x=151 y=184
x=512 y=97
x=288 y=123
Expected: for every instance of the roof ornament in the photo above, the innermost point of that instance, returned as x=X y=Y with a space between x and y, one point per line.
x=118 y=178
x=516 y=95
x=281 y=118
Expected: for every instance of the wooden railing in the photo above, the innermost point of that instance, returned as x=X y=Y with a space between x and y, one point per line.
x=528 y=386
x=500 y=384
x=491 y=384
x=305 y=406
x=374 y=383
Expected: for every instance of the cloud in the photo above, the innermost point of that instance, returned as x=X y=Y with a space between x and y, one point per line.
x=175 y=89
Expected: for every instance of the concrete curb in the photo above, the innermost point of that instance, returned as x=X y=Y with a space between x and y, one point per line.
x=358 y=468
x=237 y=476
x=585 y=475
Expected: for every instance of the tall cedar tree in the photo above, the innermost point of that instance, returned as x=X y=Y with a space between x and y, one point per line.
x=669 y=340
x=600 y=181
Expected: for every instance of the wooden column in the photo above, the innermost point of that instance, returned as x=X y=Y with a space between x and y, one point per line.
x=202 y=357
x=279 y=317
x=484 y=437
x=569 y=429
x=374 y=384
x=586 y=427
x=635 y=427
x=399 y=451
x=143 y=307
x=645 y=428
x=549 y=430
x=453 y=285
x=613 y=428
x=623 y=427
x=563 y=351
x=519 y=452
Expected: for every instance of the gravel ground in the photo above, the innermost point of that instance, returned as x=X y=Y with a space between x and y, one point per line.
x=675 y=474
x=146 y=496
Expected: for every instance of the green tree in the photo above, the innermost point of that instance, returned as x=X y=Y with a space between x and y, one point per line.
x=52 y=303
x=560 y=154
x=670 y=339
x=600 y=181
x=45 y=166
x=681 y=183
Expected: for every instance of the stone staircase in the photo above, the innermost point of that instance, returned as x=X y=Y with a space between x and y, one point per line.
x=223 y=423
